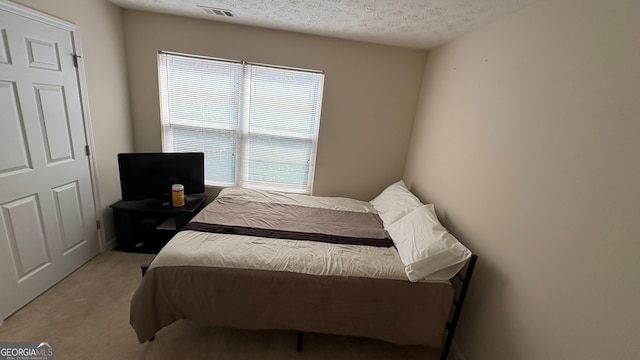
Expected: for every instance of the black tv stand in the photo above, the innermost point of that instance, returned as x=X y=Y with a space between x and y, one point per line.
x=147 y=225
x=155 y=203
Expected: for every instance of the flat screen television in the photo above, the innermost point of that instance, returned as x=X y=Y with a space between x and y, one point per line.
x=149 y=176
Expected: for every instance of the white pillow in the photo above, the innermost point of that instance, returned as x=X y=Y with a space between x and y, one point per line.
x=426 y=248
x=395 y=202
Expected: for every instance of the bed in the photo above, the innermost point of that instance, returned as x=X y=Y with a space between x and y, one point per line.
x=255 y=259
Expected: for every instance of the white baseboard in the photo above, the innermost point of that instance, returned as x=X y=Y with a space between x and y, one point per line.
x=110 y=244
x=455 y=350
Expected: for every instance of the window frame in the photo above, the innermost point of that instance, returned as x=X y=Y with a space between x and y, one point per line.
x=242 y=133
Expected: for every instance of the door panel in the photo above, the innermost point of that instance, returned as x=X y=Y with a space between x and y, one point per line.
x=12 y=137
x=4 y=52
x=54 y=122
x=47 y=213
x=26 y=237
x=69 y=215
x=43 y=54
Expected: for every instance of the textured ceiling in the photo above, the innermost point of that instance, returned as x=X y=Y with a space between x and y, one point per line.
x=422 y=24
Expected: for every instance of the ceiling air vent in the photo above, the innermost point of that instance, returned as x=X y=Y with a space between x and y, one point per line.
x=217 y=11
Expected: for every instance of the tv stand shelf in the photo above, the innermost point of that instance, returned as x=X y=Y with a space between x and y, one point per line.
x=143 y=226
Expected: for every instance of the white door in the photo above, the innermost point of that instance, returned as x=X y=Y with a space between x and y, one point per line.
x=47 y=214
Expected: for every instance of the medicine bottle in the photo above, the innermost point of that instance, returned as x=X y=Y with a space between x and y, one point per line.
x=177 y=195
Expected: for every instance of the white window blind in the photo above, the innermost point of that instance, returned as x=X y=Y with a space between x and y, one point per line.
x=256 y=124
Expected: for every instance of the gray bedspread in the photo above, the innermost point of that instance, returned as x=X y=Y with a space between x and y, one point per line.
x=286 y=221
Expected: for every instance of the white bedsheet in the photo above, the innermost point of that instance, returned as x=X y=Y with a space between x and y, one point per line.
x=193 y=248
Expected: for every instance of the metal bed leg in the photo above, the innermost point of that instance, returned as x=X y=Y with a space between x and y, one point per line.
x=300 y=336
x=143 y=269
x=451 y=326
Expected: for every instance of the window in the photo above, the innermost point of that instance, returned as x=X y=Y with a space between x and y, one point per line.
x=256 y=124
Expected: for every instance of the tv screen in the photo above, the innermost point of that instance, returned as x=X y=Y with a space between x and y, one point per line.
x=149 y=176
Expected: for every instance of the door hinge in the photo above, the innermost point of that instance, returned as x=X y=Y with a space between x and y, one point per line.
x=75 y=59
x=86 y=150
x=98 y=224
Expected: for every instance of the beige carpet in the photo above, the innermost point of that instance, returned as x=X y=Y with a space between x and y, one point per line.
x=86 y=316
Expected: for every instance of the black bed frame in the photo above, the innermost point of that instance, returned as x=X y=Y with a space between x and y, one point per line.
x=450 y=326
x=458 y=301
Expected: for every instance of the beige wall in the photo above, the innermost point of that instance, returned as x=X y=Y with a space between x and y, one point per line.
x=101 y=34
x=370 y=92
x=527 y=139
